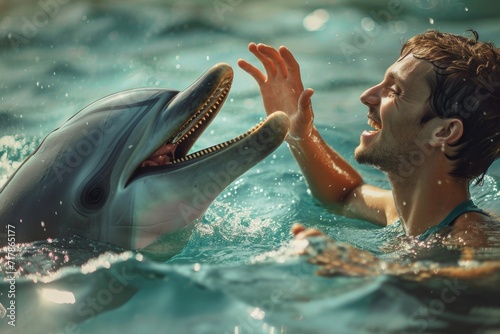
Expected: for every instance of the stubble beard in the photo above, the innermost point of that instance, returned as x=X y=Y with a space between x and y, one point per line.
x=378 y=157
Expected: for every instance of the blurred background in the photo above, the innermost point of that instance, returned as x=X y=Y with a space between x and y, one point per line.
x=56 y=56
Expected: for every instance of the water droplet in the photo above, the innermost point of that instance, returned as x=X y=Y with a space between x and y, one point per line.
x=368 y=24
x=400 y=27
x=316 y=20
x=258 y=314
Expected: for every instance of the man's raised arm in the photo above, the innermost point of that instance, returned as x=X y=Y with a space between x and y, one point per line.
x=331 y=179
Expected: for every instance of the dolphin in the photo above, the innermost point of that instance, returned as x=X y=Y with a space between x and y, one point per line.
x=119 y=170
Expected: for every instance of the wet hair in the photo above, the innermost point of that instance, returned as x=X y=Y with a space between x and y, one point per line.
x=466 y=87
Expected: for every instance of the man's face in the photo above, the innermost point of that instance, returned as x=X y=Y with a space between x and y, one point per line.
x=396 y=107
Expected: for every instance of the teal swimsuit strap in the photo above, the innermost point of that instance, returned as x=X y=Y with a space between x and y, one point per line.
x=467 y=206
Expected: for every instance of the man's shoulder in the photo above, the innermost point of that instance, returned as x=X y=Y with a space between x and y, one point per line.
x=474 y=229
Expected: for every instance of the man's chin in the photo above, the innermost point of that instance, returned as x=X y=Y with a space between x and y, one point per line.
x=366 y=157
x=360 y=155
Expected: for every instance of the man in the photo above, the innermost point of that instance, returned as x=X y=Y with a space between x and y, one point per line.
x=441 y=97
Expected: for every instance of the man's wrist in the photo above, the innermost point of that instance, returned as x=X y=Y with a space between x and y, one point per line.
x=296 y=141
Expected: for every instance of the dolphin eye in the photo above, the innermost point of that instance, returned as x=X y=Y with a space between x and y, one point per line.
x=93 y=197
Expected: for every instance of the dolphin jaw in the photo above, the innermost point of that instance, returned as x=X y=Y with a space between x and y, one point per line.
x=272 y=131
x=220 y=147
x=211 y=107
x=183 y=138
x=172 y=154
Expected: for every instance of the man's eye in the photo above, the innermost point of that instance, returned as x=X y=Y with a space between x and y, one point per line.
x=393 y=91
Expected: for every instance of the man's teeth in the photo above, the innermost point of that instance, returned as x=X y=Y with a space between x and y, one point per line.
x=374 y=124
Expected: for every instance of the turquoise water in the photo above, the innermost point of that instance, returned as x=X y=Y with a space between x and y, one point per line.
x=236 y=274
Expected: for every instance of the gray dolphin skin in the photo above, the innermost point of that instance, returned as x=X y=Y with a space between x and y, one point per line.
x=119 y=170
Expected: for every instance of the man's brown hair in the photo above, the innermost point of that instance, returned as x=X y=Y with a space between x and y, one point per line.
x=467 y=87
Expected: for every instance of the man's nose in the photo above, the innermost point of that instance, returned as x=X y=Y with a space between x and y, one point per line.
x=371 y=96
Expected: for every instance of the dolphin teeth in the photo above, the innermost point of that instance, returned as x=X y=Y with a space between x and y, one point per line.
x=217 y=147
x=201 y=116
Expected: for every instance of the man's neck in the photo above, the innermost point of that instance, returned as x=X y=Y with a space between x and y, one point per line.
x=424 y=200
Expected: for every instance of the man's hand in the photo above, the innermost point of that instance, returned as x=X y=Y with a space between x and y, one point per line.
x=341 y=259
x=300 y=232
x=282 y=88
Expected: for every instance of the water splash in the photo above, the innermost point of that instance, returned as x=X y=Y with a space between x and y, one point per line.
x=13 y=151
x=45 y=258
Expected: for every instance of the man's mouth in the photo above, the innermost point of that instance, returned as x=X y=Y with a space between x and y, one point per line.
x=375 y=125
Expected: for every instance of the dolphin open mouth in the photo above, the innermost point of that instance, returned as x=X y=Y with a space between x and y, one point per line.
x=173 y=153
x=176 y=148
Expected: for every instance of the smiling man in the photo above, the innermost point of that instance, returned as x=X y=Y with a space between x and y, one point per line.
x=437 y=110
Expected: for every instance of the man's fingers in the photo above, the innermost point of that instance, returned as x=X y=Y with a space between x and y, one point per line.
x=300 y=232
x=274 y=61
x=312 y=232
x=305 y=97
x=304 y=102
x=297 y=228
x=274 y=56
x=291 y=63
x=253 y=71
x=268 y=63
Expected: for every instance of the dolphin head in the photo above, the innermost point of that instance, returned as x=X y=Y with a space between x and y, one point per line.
x=121 y=170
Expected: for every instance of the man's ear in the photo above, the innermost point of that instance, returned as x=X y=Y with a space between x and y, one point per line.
x=448 y=132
